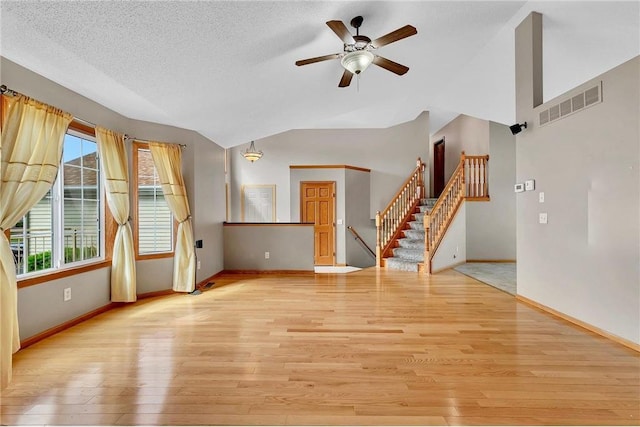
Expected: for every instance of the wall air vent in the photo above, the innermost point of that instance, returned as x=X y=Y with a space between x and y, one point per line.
x=589 y=97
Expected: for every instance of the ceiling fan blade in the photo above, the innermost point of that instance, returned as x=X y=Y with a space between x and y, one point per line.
x=394 y=36
x=341 y=31
x=388 y=64
x=317 y=59
x=346 y=78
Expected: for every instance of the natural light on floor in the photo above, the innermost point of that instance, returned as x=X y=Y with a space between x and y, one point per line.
x=332 y=269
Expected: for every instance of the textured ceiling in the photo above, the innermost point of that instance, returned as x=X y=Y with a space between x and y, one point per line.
x=226 y=68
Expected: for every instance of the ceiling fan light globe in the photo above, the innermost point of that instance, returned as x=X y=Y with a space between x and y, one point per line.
x=357 y=61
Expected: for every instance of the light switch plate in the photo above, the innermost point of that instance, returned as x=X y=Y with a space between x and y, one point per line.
x=542 y=218
x=541 y=197
x=530 y=185
x=518 y=188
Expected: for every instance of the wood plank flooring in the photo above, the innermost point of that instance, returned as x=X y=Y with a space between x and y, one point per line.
x=366 y=348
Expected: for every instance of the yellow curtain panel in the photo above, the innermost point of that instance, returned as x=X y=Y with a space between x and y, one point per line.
x=31 y=142
x=116 y=178
x=167 y=159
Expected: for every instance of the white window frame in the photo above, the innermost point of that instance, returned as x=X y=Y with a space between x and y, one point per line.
x=57 y=227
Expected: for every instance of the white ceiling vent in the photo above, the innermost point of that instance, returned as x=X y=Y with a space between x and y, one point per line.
x=589 y=97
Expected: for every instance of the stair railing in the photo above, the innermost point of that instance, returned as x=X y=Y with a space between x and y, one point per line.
x=362 y=242
x=390 y=221
x=476 y=177
x=469 y=181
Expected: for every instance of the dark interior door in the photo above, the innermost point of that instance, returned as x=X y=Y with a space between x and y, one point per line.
x=438 y=168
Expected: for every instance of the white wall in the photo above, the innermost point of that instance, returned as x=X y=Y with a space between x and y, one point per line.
x=585 y=262
x=40 y=307
x=390 y=153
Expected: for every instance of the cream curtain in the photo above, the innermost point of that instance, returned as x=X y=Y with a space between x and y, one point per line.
x=116 y=177
x=31 y=142
x=167 y=159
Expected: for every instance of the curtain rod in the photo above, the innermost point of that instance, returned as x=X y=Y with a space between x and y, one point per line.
x=4 y=89
x=133 y=138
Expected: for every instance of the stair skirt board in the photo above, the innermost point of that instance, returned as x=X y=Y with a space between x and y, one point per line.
x=410 y=250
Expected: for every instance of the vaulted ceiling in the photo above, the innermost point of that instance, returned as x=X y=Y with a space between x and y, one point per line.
x=226 y=68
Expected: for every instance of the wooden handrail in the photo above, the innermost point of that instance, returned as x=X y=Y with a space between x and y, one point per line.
x=390 y=221
x=469 y=181
x=357 y=237
x=419 y=168
x=447 y=187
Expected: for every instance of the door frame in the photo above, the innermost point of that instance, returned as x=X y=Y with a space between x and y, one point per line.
x=334 y=188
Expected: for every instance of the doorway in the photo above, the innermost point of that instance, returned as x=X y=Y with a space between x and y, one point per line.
x=317 y=206
x=438 y=168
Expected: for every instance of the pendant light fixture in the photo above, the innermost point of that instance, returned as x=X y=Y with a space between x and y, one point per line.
x=251 y=153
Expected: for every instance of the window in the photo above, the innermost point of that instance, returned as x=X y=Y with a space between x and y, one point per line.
x=154 y=221
x=65 y=228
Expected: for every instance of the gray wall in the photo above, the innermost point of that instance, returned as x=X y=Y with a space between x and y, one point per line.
x=585 y=262
x=41 y=307
x=352 y=208
x=357 y=216
x=491 y=226
x=390 y=153
x=464 y=133
x=290 y=247
x=453 y=250
x=203 y=169
x=323 y=174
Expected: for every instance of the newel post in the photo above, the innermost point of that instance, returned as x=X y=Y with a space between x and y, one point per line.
x=378 y=239
x=420 y=169
x=427 y=259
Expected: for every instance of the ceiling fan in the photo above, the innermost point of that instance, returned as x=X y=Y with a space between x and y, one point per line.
x=357 y=54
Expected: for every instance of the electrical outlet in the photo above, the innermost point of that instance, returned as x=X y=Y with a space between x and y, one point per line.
x=198 y=265
x=542 y=218
x=66 y=295
x=266 y=255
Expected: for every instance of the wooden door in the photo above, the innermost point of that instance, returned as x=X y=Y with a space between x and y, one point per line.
x=438 y=168
x=317 y=200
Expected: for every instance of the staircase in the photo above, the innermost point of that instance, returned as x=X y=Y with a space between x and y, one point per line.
x=409 y=250
x=411 y=227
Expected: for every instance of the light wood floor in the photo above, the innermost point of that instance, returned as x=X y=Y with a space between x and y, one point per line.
x=364 y=348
